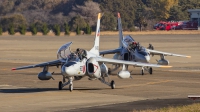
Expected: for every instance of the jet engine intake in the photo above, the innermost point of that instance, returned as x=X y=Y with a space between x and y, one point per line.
x=163 y=62
x=126 y=56
x=116 y=56
x=44 y=75
x=124 y=74
x=93 y=68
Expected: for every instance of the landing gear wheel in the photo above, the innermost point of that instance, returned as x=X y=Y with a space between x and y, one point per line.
x=112 y=84
x=60 y=85
x=151 y=71
x=109 y=71
x=70 y=87
x=142 y=71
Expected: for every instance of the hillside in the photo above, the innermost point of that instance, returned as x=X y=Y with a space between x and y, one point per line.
x=142 y=13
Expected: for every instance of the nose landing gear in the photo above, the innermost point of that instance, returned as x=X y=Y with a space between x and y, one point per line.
x=70 y=83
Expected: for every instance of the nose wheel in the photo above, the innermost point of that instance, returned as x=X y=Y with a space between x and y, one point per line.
x=70 y=87
x=150 y=70
x=60 y=85
x=112 y=84
x=70 y=83
x=142 y=71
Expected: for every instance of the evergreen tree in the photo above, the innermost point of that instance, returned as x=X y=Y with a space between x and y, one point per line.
x=57 y=30
x=23 y=29
x=45 y=29
x=66 y=27
x=109 y=22
x=1 y=30
x=11 y=30
x=88 y=29
x=78 y=31
x=33 y=29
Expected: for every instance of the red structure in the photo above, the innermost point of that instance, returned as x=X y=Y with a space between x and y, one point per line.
x=176 y=25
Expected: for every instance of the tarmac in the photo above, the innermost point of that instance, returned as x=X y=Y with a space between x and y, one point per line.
x=23 y=91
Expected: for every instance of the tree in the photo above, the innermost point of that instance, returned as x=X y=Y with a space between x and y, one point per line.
x=66 y=28
x=161 y=8
x=77 y=21
x=16 y=19
x=1 y=30
x=23 y=29
x=6 y=6
x=57 y=30
x=127 y=9
x=33 y=29
x=78 y=32
x=88 y=29
x=45 y=29
x=176 y=14
x=109 y=22
x=87 y=11
x=11 y=29
x=140 y=17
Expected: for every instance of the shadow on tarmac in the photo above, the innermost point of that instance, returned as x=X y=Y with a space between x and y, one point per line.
x=33 y=90
x=27 y=90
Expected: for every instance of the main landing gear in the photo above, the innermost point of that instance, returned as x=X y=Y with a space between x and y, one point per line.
x=64 y=83
x=150 y=70
x=111 y=84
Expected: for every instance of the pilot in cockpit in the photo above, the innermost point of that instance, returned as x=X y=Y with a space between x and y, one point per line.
x=73 y=57
x=81 y=53
x=133 y=45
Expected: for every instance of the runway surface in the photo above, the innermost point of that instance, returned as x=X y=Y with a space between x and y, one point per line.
x=22 y=91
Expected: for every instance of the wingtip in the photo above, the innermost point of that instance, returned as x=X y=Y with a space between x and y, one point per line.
x=13 y=69
x=166 y=66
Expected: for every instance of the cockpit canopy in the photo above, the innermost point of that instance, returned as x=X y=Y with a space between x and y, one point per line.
x=64 y=51
x=142 y=50
x=73 y=57
x=127 y=42
x=128 y=39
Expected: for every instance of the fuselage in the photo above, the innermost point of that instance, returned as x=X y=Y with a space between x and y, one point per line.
x=135 y=53
x=78 y=67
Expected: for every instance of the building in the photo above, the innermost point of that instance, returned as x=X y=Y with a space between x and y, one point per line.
x=195 y=16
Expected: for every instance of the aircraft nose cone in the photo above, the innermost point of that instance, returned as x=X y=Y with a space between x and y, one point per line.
x=69 y=71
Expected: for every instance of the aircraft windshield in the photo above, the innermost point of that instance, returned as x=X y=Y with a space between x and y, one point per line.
x=73 y=57
x=128 y=39
x=64 y=51
x=141 y=50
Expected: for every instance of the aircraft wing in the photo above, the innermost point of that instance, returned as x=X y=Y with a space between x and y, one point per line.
x=138 y=64
x=154 y=52
x=110 y=51
x=50 y=63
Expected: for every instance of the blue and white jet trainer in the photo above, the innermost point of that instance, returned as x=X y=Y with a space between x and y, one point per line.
x=130 y=50
x=74 y=66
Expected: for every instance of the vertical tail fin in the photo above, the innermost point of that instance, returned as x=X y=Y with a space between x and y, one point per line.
x=95 y=49
x=120 y=29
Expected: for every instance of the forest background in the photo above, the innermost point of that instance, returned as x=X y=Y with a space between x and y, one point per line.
x=76 y=15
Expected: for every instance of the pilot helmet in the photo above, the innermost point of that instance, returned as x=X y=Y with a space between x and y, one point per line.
x=78 y=49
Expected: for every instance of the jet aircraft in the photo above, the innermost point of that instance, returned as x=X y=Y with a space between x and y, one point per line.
x=130 y=50
x=75 y=66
